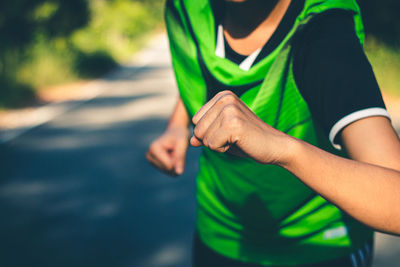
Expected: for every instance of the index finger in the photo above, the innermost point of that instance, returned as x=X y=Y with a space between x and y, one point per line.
x=203 y=110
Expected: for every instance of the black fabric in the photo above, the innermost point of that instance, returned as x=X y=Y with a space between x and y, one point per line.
x=233 y=55
x=294 y=9
x=213 y=85
x=330 y=67
x=203 y=256
x=332 y=71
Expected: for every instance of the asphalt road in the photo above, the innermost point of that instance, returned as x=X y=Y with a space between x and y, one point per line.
x=77 y=190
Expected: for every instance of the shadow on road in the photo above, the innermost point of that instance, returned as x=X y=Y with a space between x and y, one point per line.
x=131 y=72
x=77 y=191
x=89 y=198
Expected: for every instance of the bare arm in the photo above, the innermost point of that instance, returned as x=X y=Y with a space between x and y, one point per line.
x=179 y=117
x=368 y=187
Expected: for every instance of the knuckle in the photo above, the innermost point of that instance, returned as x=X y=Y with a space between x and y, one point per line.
x=224 y=92
x=212 y=145
x=229 y=110
x=219 y=94
x=153 y=147
x=220 y=150
x=232 y=122
x=224 y=149
x=197 y=131
x=235 y=122
x=148 y=156
x=228 y=98
x=194 y=119
x=206 y=143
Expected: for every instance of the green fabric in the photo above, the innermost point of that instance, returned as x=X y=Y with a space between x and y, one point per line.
x=248 y=211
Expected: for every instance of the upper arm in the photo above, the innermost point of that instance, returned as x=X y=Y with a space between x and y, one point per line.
x=336 y=79
x=372 y=140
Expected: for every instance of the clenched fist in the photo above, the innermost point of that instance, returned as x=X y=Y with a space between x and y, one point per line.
x=168 y=152
x=225 y=123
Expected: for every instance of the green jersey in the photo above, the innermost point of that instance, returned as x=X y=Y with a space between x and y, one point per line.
x=249 y=211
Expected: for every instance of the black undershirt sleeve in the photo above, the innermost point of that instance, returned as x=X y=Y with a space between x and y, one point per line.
x=334 y=75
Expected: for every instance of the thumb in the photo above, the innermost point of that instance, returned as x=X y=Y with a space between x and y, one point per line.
x=180 y=157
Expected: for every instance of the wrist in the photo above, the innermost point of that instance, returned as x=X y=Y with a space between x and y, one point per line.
x=178 y=127
x=178 y=124
x=178 y=130
x=180 y=117
x=291 y=152
x=182 y=122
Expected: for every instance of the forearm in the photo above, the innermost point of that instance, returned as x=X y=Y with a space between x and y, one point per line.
x=367 y=192
x=179 y=117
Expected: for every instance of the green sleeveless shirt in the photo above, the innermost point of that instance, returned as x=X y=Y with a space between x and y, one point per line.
x=248 y=211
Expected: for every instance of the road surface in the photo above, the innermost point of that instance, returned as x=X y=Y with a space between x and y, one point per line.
x=77 y=190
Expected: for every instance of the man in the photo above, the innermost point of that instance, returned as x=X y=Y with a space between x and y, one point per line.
x=270 y=85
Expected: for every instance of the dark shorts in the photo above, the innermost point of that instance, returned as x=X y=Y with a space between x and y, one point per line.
x=203 y=256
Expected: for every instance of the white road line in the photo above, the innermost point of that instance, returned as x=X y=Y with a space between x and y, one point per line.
x=25 y=121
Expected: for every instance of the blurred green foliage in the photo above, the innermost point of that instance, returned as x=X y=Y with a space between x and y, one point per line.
x=46 y=42
x=382 y=25
x=385 y=61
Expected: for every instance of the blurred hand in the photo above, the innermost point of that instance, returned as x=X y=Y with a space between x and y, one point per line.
x=225 y=123
x=168 y=152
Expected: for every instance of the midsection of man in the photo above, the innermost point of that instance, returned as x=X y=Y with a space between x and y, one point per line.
x=262 y=214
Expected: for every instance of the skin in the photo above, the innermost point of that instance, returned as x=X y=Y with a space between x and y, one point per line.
x=367 y=186
x=168 y=152
x=248 y=27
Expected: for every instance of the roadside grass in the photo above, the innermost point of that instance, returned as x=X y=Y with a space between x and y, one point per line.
x=385 y=61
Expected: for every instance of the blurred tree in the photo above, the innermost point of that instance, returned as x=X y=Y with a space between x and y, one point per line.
x=20 y=20
x=381 y=19
x=21 y=23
